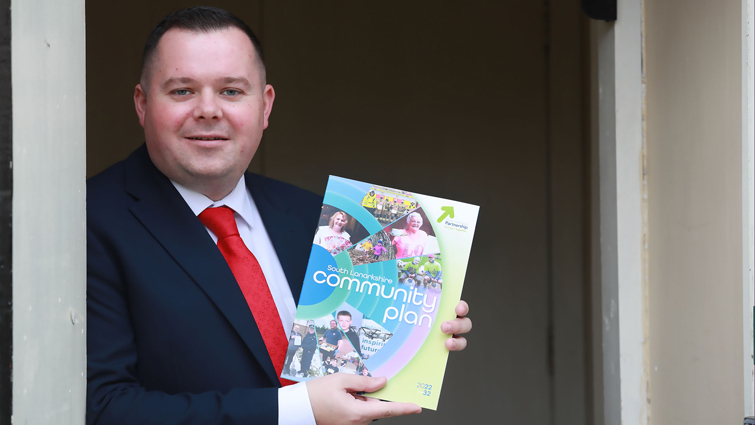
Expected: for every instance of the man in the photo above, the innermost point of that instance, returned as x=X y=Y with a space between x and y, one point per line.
x=410 y=270
x=174 y=334
x=434 y=272
x=331 y=336
x=309 y=346
x=369 y=202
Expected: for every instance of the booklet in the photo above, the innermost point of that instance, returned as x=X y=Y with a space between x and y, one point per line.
x=386 y=269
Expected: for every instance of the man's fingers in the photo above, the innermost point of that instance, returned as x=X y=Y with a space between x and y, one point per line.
x=456 y=343
x=385 y=409
x=460 y=325
x=359 y=383
x=457 y=326
x=462 y=309
x=333 y=400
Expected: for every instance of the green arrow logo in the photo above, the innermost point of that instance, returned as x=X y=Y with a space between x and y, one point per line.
x=446 y=212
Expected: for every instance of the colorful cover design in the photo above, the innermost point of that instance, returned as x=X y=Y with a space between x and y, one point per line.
x=386 y=269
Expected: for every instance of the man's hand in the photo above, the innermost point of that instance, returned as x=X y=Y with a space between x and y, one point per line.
x=334 y=400
x=460 y=325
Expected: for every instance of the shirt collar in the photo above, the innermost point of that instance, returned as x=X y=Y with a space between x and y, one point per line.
x=238 y=200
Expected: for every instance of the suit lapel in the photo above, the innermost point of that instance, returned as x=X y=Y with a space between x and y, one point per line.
x=287 y=232
x=162 y=210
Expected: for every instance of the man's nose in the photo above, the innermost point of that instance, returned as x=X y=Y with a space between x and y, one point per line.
x=208 y=107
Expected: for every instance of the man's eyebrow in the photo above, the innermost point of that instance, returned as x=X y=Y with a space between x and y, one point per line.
x=177 y=81
x=241 y=81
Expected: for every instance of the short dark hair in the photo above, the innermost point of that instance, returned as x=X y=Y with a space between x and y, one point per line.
x=198 y=19
x=343 y=313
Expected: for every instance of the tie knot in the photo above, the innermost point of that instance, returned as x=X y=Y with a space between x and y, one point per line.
x=220 y=221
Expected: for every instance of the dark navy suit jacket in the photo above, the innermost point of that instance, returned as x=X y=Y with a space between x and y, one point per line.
x=170 y=337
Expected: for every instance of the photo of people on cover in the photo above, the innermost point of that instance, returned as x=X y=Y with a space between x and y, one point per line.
x=413 y=235
x=337 y=229
x=388 y=205
x=335 y=343
x=348 y=356
x=301 y=356
x=374 y=249
x=423 y=271
x=339 y=342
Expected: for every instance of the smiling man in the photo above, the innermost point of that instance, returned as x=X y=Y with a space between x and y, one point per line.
x=203 y=103
x=194 y=265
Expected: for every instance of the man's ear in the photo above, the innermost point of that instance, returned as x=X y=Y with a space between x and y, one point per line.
x=268 y=96
x=140 y=103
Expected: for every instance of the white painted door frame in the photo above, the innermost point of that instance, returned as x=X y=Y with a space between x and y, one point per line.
x=748 y=193
x=48 y=68
x=622 y=200
x=622 y=223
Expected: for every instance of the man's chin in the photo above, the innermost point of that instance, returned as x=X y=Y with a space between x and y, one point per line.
x=214 y=171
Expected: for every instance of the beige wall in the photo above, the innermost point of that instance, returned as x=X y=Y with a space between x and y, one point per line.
x=694 y=157
x=460 y=100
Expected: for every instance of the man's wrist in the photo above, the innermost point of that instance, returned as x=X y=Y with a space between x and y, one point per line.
x=294 y=407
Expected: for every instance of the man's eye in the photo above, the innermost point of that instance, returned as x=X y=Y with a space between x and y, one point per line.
x=230 y=92
x=181 y=92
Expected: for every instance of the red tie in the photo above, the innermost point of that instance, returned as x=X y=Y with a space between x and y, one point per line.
x=248 y=273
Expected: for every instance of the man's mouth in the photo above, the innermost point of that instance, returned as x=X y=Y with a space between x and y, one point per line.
x=207 y=138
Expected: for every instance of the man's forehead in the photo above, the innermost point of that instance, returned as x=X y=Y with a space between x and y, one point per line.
x=179 y=43
x=187 y=36
x=179 y=48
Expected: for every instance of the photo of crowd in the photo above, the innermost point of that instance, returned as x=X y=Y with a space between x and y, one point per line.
x=337 y=229
x=424 y=272
x=388 y=205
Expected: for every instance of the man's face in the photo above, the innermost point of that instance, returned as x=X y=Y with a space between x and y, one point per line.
x=345 y=322
x=332 y=324
x=204 y=109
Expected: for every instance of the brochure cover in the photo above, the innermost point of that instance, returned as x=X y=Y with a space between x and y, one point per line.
x=386 y=269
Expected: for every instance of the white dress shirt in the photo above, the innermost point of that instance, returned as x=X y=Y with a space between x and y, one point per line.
x=293 y=401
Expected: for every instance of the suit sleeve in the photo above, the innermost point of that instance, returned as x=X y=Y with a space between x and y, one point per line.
x=114 y=394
